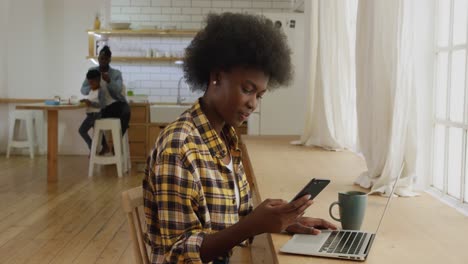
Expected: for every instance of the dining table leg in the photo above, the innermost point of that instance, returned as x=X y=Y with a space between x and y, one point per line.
x=52 y=145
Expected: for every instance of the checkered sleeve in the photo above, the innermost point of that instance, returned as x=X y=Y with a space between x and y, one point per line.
x=245 y=193
x=177 y=198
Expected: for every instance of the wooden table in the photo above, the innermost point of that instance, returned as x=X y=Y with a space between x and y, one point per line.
x=52 y=132
x=415 y=230
x=21 y=100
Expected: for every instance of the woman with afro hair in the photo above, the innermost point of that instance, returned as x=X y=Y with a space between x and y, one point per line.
x=196 y=196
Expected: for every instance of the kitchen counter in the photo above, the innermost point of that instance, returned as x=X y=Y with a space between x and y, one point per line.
x=21 y=100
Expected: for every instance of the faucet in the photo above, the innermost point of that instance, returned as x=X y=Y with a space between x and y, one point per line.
x=179 y=98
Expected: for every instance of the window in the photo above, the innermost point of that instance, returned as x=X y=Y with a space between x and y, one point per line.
x=450 y=130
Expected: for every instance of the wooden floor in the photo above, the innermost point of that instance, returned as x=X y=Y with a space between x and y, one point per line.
x=76 y=220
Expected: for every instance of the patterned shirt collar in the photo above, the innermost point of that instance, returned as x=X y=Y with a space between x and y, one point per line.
x=210 y=136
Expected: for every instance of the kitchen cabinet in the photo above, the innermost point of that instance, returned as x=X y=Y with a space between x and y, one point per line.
x=95 y=35
x=137 y=131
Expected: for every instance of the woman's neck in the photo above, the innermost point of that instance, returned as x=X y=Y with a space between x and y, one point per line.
x=209 y=110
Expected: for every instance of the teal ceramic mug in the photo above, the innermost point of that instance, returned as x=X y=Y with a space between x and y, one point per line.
x=352 y=208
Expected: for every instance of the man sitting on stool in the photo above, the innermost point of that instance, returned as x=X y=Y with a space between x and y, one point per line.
x=116 y=105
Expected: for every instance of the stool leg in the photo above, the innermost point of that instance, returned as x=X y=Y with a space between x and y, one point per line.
x=10 y=135
x=117 y=139
x=39 y=130
x=30 y=134
x=125 y=151
x=95 y=143
x=99 y=140
x=124 y=160
x=129 y=162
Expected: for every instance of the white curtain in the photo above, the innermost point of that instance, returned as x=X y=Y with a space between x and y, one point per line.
x=386 y=94
x=331 y=116
x=392 y=70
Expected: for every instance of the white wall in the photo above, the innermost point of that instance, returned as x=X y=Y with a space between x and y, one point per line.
x=282 y=111
x=47 y=46
x=3 y=47
x=26 y=49
x=3 y=76
x=424 y=72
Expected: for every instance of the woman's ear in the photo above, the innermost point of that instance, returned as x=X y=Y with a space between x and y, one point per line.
x=215 y=77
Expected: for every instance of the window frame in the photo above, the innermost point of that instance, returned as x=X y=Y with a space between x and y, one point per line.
x=446 y=122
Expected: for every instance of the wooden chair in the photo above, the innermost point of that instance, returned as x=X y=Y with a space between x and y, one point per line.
x=131 y=200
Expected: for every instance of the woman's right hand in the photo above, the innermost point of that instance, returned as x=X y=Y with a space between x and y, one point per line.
x=275 y=215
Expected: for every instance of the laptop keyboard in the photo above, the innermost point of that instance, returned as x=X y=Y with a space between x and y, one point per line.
x=344 y=242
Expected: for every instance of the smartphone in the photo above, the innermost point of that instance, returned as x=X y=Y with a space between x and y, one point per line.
x=314 y=187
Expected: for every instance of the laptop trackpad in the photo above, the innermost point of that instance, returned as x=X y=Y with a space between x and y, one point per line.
x=300 y=244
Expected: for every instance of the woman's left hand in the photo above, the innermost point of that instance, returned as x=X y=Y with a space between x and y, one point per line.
x=308 y=225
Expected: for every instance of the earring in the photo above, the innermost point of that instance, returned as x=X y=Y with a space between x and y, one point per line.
x=214 y=82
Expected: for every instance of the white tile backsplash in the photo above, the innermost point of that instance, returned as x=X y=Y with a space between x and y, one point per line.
x=197 y=18
x=181 y=18
x=141 y=91
x=131 y=10
x=151 y=10
x=204 y=3
x=259 y=4
x=242 y=4
x=120 y=2
x=160 y=76
x=181 y=3
x=161 y=3
x=192 y=11
x=131 y=68
x=151 y=69
x=151 y=84
x=159 y=80
x=284 y=4
x=146 y=3
x=222 y=4
x=115 y=10
x=171 y=10
x=213 y=10
x=140 y=18
x=190 y=25
x=120 y=18
x=159 y=18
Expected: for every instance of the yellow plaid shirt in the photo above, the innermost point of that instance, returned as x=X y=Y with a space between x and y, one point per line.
x=188 y=190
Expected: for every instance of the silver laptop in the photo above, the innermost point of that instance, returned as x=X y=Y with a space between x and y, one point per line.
x=342 y=244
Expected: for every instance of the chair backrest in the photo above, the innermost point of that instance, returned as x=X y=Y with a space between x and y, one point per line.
x=131 y=200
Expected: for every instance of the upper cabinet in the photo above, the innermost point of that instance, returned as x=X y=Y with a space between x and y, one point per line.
x=140 y=55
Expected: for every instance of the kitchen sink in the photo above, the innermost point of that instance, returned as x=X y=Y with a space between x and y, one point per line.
x=166 y=113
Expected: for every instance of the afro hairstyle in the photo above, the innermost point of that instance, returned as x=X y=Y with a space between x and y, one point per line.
x=238 y=40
